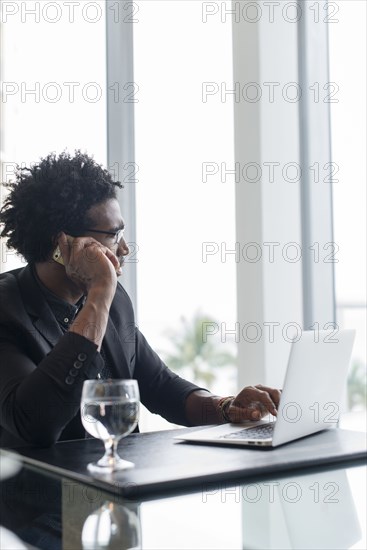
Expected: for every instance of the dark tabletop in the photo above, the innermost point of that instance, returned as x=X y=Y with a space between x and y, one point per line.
x=308 y=494
x=163 y=463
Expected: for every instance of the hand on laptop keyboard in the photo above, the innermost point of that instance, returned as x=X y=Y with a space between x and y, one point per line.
x=253 y=402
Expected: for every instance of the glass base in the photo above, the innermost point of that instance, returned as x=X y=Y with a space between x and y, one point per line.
x=109 y=465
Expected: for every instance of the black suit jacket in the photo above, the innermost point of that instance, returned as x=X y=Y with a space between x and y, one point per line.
x=42 y=370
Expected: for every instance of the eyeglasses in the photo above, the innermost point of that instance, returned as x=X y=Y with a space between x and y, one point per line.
x=116 y=234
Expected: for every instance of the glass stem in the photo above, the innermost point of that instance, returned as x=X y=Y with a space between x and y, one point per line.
x=110 y=450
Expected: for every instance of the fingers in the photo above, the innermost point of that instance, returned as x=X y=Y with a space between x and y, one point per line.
x=70 y=246
x=261 y=396
x=274 y=393
x=94 y=249
x=238 y=414
x=262 y=404
x=113 y=259
x=254 y=402
x=91 y=247
x=88 y=263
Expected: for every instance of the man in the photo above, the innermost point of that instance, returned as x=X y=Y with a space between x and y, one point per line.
x=63 y=323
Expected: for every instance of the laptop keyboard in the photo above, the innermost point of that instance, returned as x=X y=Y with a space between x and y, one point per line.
x=260 y=432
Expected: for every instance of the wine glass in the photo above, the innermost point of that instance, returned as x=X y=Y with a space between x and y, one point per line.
x=110 y=411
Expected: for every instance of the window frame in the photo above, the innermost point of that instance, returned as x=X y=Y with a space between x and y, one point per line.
x=120 y=124
x=308 y=294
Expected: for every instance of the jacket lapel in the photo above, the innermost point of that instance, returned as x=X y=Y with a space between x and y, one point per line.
x=36 y=305
x=45 y=323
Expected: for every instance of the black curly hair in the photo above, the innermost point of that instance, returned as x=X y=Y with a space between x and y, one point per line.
x=52 y=196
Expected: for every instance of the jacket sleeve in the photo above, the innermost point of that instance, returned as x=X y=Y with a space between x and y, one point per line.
x=161 y=391
x=38 y=400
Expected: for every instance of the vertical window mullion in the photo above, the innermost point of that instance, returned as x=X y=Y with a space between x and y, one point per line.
x=316 y=187
x=120 y=123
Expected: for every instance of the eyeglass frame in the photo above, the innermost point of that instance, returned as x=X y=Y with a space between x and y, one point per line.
x=117 y=234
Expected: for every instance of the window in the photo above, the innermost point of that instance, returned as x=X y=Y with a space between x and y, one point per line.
x=348 y=121
x=185 y=212
x=53 y=84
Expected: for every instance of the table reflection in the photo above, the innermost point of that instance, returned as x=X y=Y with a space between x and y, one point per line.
x=111 y=526
x=30 y=506
x=313 y=510
x=316 y=510
x=96 y=520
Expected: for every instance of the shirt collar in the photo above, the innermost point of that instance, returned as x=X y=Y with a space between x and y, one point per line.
x=64 y=312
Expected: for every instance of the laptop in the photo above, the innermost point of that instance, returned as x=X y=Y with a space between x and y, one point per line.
x=311 y=396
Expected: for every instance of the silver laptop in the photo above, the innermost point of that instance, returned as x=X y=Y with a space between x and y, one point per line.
x=311 y=397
